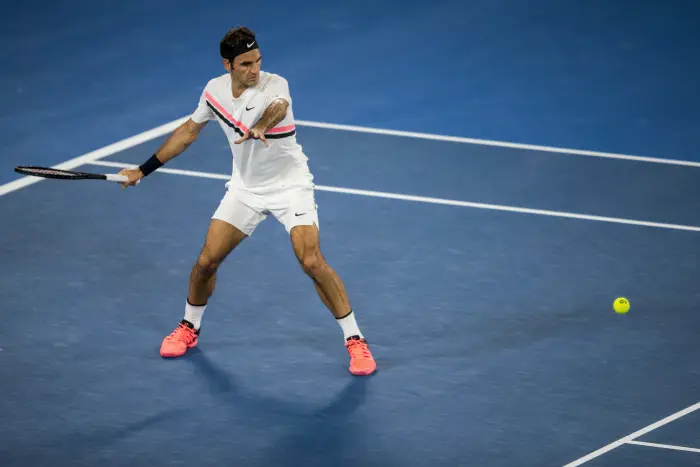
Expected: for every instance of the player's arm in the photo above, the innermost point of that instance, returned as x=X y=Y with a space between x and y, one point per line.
x=274 y=113
x=177 y=142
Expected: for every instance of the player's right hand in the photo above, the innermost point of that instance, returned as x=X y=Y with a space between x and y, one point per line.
x=133 y=177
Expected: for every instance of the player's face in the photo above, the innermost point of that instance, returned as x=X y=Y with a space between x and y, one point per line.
x=246 y=68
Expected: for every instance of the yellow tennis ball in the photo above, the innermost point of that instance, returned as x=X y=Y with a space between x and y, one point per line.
x=621 y=305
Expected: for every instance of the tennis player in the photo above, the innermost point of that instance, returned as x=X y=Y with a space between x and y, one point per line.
x=270 y=176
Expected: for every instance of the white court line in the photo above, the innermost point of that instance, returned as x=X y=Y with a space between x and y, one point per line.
x=634 y=435
x=168 y=127
x=95 y=155
x=664 y=446
x=425 y=199
x=500 y=144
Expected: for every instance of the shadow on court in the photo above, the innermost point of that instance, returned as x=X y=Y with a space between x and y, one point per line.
x=302 y=436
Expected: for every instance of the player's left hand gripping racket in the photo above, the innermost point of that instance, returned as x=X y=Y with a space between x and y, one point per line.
x=48 y=172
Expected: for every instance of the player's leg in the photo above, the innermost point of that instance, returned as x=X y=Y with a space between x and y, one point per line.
x=221 y=239
x=296 y=209
x=306 y=245
x=330 y=288
x=232 y=222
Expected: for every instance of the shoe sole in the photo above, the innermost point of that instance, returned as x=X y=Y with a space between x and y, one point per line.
x=363 y=372
x=175 y=355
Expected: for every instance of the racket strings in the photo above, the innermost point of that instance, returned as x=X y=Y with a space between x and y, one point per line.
x=47 y=171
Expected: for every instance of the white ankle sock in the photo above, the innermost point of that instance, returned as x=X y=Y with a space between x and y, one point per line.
x=194 y=313
x=349 y=326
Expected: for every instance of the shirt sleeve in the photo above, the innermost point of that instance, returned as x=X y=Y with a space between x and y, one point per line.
x=277 y=88
x=202 y=113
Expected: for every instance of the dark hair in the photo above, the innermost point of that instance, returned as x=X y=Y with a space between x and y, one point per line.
x=235 y=40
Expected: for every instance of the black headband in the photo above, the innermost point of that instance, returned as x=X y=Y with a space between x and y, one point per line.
x=228 y=52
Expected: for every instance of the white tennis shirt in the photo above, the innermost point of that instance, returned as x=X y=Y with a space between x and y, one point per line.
x=256 y=167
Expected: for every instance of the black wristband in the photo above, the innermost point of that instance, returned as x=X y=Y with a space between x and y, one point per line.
x=151 y=165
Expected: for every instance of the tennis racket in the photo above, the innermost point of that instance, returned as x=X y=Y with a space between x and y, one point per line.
x=48 y=172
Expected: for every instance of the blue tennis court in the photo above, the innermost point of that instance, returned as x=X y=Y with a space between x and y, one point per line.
x=482 y=272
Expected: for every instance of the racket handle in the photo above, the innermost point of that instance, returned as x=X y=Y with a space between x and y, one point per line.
x=118 y=178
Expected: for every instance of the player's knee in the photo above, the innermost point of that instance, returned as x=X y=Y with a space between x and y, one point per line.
x=206 y=265
x=313 y=264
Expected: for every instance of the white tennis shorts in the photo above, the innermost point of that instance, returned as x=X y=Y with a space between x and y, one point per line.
x=291 y=206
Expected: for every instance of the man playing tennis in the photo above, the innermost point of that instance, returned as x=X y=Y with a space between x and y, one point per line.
x=270 y=176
